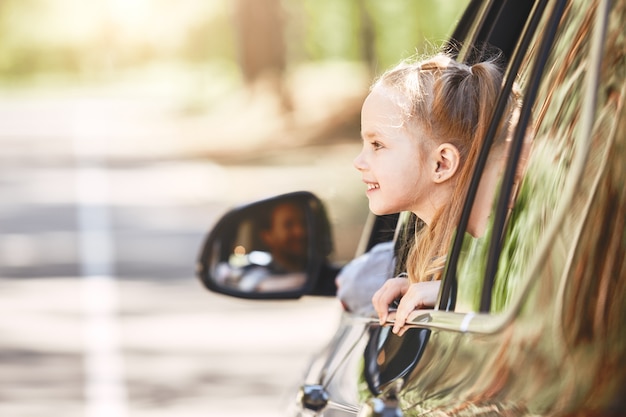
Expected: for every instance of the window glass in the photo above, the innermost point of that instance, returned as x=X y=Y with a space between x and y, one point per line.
x=556 y=137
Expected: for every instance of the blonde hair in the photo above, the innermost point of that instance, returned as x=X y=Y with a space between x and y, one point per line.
x=452 y=102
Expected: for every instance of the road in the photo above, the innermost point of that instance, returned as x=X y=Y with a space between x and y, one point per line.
x=102 y=215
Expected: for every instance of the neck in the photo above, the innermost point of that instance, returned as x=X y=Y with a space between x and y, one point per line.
x=481 y=210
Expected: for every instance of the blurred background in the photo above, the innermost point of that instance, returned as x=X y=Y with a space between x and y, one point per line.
x=127 y=128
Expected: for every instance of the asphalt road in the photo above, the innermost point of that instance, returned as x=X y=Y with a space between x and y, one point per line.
x=101 y=218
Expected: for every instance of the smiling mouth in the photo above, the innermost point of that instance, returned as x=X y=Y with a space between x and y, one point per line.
x=371 y=186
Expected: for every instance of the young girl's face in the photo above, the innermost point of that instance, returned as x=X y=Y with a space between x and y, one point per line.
x=394 y=161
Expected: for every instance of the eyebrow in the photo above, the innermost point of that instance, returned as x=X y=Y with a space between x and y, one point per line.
x=370 y=134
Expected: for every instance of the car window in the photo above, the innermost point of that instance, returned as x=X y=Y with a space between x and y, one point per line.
x=559 y=154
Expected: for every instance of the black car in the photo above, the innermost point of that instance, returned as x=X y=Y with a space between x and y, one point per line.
x=531 y=320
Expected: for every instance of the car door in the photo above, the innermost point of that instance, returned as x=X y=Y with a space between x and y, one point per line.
x=530 y=317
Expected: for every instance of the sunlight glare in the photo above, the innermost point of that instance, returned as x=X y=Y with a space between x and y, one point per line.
x=129 y=12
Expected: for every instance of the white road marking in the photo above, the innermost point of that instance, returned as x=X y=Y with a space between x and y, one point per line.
x=105 y=389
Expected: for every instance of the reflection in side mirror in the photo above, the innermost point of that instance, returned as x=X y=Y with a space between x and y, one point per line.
x=273 y=248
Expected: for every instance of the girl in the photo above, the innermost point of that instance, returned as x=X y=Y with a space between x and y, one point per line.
x=422 y=125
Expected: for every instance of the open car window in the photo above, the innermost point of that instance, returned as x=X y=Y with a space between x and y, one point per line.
x=565 y=140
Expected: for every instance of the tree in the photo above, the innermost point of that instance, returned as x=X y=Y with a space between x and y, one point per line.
x=261 y=44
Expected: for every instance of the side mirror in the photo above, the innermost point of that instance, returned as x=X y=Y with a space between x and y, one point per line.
x=270 y=249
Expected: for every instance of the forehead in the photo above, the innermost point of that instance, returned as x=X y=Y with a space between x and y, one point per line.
x=287 y=211
x=383 y=107
x=386 y=112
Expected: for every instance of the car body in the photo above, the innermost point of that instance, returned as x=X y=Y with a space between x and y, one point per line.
x=531 y=317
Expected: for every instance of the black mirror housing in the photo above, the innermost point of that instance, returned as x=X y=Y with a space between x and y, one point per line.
x=275 y=248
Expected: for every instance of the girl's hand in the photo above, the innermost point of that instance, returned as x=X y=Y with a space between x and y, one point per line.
x=418 y=295
x=391 y=290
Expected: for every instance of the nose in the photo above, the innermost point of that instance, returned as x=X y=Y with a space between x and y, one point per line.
x=359 y=162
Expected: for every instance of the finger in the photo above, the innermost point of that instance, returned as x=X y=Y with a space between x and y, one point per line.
x=382 y=318
x=379 y=306
x=401 y=315
x=380 y=300
x=406 y=306
x=403 y=330
x=412 y=315
x=391 y=289
x=397 y=325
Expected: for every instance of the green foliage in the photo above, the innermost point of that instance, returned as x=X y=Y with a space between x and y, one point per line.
x=406 y=27
x=332 y=29
x=82 y=38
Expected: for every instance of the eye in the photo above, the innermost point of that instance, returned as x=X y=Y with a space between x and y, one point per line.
x=376 y=145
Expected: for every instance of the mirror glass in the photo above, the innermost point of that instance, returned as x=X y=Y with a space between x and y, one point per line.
x=265 y=247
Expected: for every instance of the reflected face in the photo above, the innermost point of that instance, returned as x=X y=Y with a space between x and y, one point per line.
x=287 y=236
x=393 y=161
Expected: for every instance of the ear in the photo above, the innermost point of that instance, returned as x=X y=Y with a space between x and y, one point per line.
x=446 y=161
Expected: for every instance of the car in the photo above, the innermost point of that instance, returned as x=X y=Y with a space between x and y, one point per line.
x=530 y=319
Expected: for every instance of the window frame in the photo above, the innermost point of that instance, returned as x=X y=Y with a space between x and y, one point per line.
x=449 y=287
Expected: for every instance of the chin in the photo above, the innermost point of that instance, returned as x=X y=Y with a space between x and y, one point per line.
x=381 y=211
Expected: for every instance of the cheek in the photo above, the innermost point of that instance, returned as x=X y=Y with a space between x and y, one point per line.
x=416 y=178
x=401 y=186
x=415 y=184
x=410 y=172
